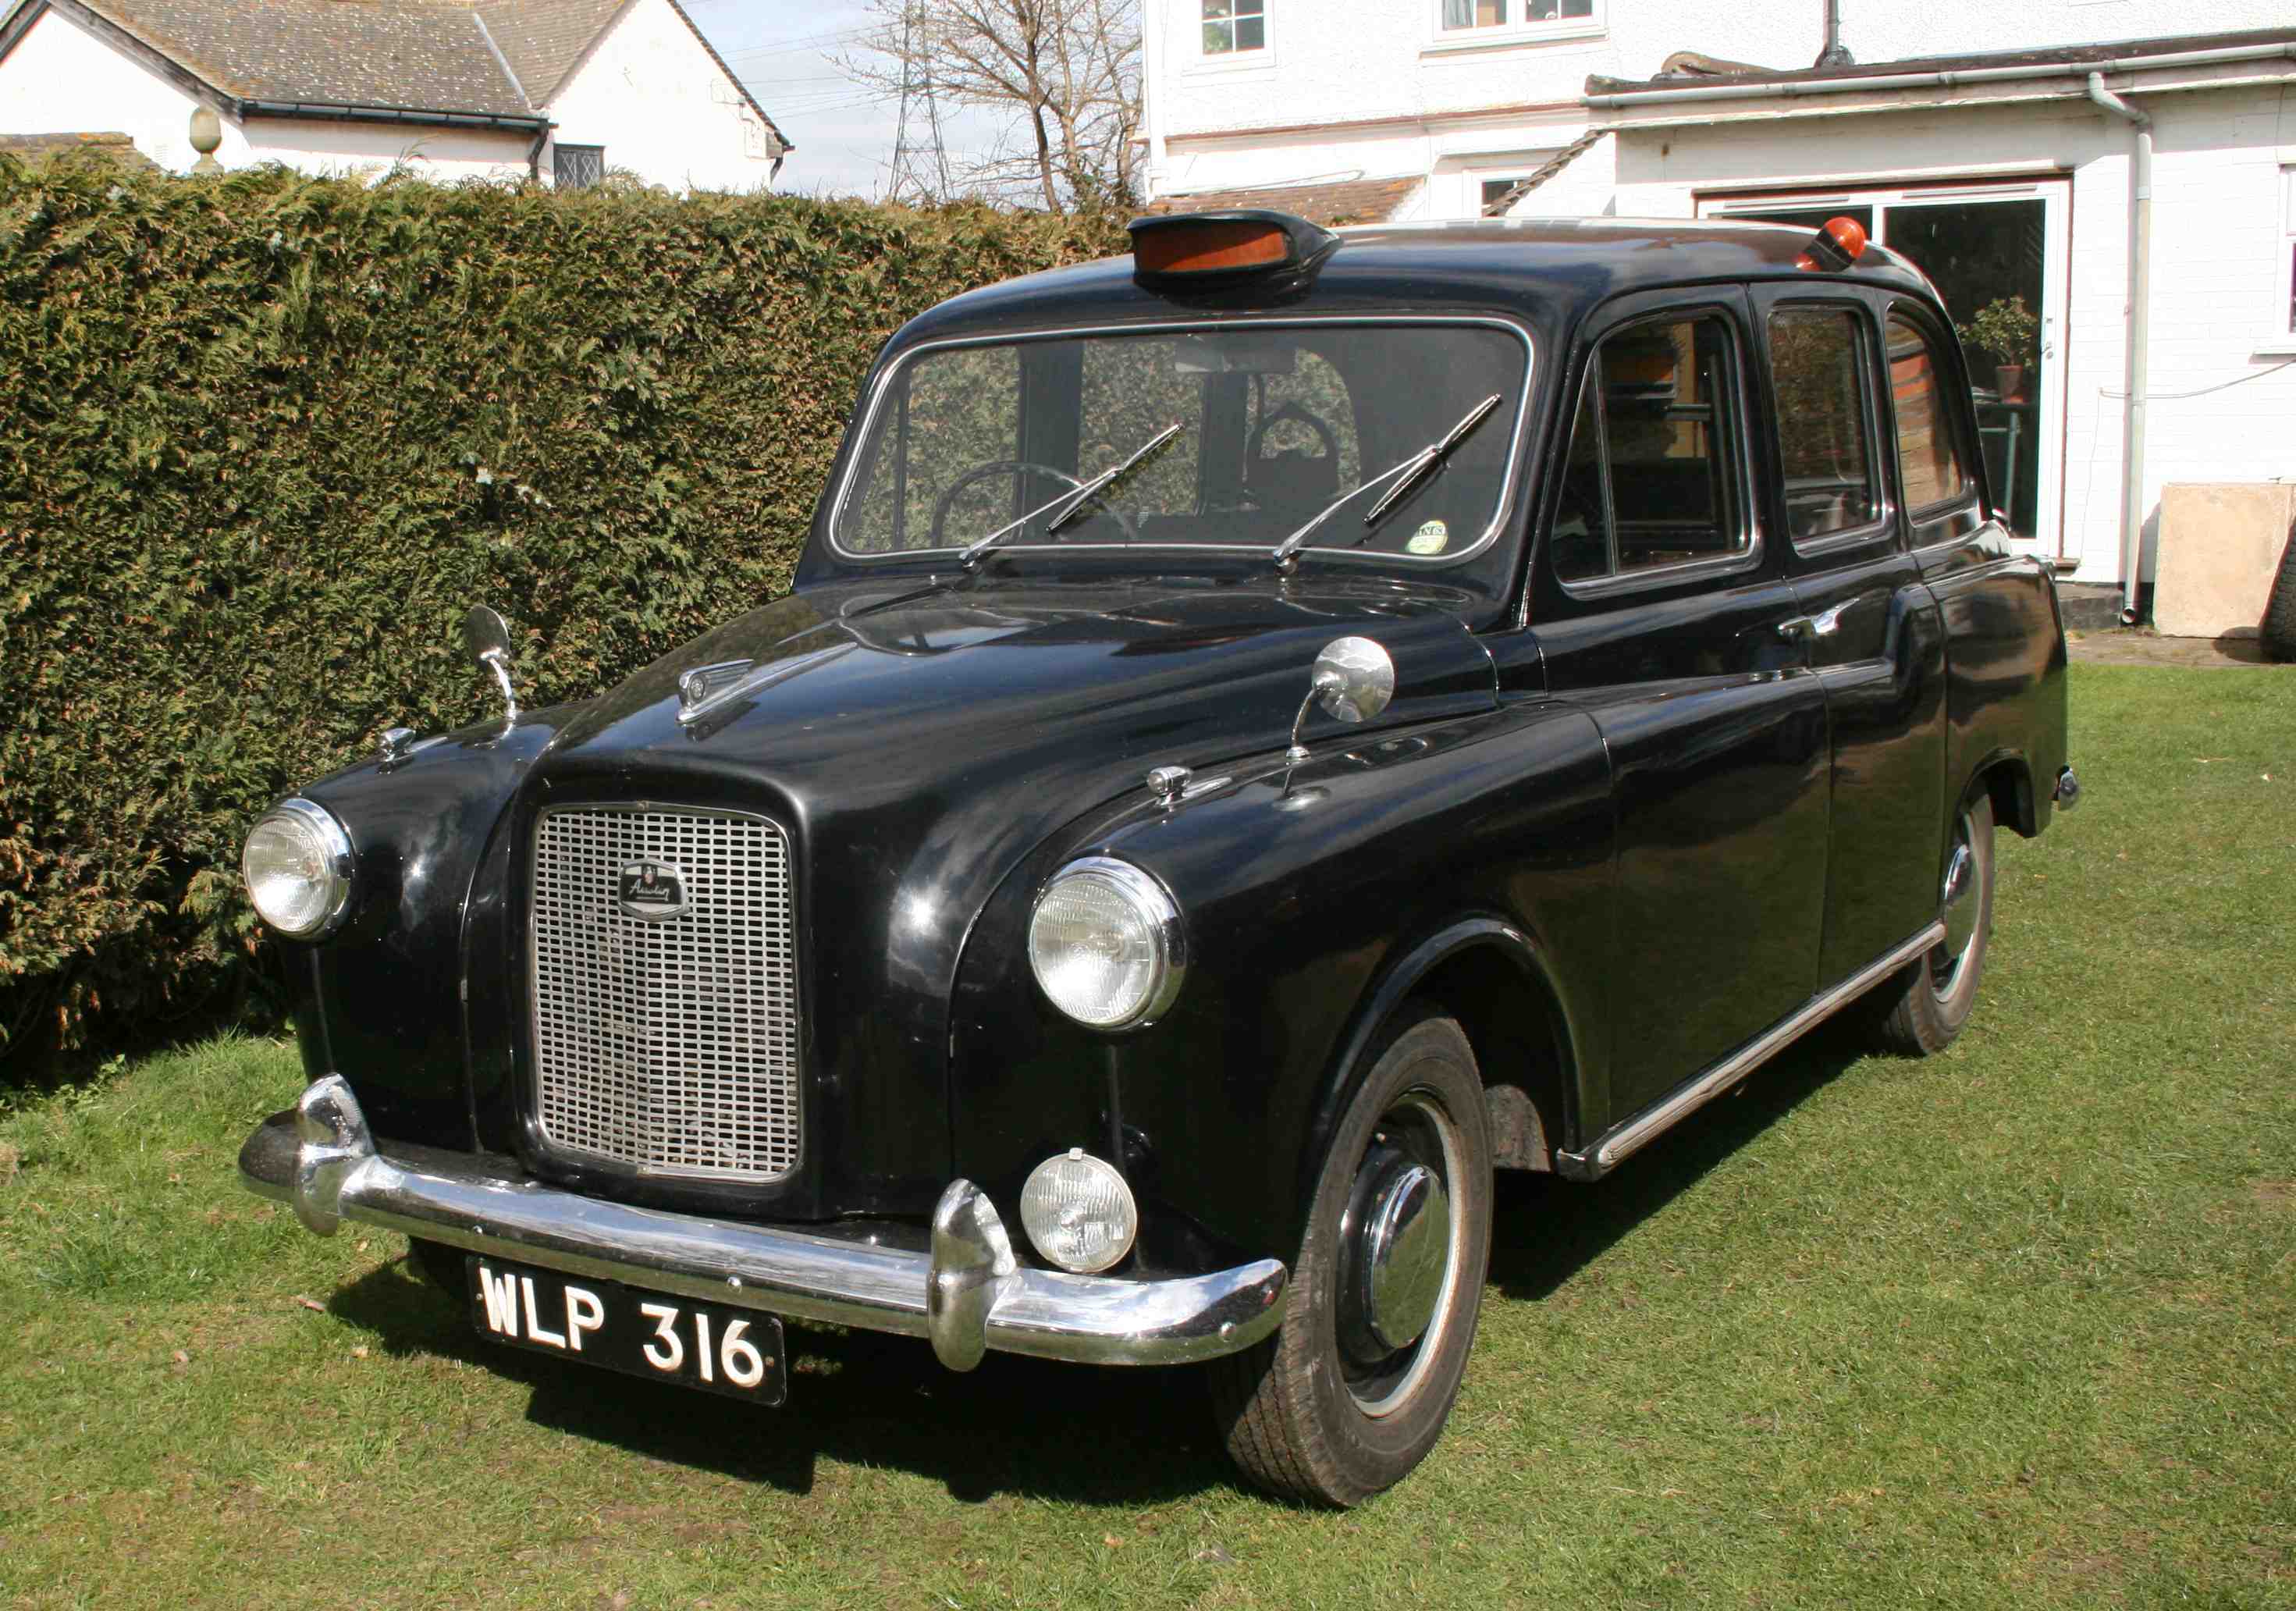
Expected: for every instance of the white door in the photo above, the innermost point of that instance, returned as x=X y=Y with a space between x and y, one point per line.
x=1997 y=254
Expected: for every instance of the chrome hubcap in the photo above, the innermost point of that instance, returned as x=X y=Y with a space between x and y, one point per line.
x=1399 y=1253
x=1959 y=906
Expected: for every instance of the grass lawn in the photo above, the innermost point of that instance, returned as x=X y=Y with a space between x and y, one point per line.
x=2016 y=1324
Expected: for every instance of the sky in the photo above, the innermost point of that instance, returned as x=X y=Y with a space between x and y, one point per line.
x=844 y=132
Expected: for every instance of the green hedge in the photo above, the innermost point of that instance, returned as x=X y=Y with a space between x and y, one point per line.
x=264 y=437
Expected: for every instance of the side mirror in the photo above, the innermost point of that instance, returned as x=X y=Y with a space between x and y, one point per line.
x=486 y=638
x=1353 y=680
x=485 y=635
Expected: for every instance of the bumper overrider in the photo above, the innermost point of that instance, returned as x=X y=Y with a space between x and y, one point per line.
x=968 y=1293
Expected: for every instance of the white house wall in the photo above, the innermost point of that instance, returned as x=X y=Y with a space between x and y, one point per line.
x=61 y=79
x=1304 y=109
x=650 y=93
x=2217 y=254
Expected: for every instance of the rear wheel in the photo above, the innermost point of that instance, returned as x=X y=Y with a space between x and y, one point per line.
x=1936 y=994
x=1352 y=1391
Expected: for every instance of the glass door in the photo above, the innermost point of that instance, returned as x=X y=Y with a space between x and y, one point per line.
x=1996 y=253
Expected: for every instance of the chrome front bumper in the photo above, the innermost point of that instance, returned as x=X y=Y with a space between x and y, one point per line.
x=968 y=1293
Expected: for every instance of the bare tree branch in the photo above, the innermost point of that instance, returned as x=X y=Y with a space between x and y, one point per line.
x=1065 y=72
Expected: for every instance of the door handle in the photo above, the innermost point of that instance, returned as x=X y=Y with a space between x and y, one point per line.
x=1794 y=629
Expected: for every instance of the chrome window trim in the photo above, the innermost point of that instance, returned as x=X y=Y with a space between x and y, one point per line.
x=1750 y=558
x=1491 y=535
x=1883 y=526
x=1937 y=508
x=531 y=1095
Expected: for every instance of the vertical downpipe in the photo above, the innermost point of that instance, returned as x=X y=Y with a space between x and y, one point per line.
x=2140 y=321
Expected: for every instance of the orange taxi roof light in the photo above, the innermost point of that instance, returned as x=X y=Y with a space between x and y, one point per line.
x=1220 y=246
x=1840 y=242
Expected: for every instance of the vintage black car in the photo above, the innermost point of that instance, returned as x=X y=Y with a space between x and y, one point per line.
x=1264 y=733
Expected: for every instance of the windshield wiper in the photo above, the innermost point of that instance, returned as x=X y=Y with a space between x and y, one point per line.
x=1405 y=476
x=1076 y=497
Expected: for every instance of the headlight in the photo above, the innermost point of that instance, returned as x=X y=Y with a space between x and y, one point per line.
x=1079 y=1212
x=298 y=867
x=1105 y=943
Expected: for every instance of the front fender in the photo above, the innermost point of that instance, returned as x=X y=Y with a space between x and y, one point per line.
x=1307 y=893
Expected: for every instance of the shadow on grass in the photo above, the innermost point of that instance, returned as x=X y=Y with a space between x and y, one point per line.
x=1072 y=1432
x=1547 y=1229
x=1078 y=1433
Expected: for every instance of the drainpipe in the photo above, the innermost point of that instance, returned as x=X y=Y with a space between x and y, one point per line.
x=1835 y=54
x=2140 y=320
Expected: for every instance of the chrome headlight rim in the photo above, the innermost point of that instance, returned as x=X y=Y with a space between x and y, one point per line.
x=1161 y=916
x=336 y=855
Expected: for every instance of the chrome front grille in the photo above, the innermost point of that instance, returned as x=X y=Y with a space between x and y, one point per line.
x=666 y=1043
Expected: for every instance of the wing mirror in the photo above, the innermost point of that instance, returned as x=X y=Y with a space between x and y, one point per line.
x=486 y=638
x=1354 y=681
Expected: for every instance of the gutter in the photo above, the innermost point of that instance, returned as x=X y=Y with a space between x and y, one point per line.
x=332 y=112
x=2140 y=321
x=1941 y=78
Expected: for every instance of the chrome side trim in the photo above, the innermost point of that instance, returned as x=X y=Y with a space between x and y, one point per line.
x=1630 y=1134
x=968 y=1294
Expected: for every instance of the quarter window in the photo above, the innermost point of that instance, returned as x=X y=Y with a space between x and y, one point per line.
x=1818 y=365
x=1929 y=453
x=1231 y=26
x=1652 y=476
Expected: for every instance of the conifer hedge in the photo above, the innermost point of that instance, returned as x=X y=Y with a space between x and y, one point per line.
x=264 y=437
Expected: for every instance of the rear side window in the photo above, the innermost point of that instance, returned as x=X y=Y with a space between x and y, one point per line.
x=1826 y=444
x=1652 y=478
x=1929 y=449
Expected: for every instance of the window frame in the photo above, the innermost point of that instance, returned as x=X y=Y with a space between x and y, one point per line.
x=1732 y=314
x=558 y=154
x=1201 y=59
x=2279 y=339
x=1493 y=35
x=1972 y=486
x=1881 y=424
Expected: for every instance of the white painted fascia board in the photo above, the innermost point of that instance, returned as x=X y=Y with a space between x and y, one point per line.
x=2234 y=68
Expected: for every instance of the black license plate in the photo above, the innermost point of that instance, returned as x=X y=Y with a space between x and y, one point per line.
x=735 y=1351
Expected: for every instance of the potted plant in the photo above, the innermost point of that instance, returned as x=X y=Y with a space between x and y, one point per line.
x=2005 y=329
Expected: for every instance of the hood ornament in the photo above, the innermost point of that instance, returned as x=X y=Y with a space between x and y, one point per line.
x=694 y=687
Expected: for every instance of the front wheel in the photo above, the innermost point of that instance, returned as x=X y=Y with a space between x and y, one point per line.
x=1935 y=995
x=1352 y=1391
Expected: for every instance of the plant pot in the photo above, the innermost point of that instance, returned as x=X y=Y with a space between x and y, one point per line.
x=2009 y=379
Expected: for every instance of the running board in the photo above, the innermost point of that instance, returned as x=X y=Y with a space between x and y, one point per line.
x=1628 y=1136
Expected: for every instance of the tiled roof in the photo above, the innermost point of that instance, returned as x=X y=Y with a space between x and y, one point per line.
x=40 y=148
x=1340 y=202
x=502 y=58
x=414 y=54
x=543 y=39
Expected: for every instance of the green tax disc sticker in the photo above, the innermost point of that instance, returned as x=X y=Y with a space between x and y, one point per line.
x=1433 y=538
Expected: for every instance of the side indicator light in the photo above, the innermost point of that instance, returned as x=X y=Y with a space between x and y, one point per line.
x=1833 y=248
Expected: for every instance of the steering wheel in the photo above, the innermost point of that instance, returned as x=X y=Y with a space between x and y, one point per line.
x=1298 y=416
x=1013 y=467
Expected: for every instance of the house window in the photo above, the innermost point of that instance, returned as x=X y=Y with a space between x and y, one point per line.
x=579 y=166
x=1234 y=25
x=1493 y=189
x=1466 y=16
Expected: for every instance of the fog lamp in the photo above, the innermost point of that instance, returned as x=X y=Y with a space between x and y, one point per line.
x=298 y=867
x=1078 y=1213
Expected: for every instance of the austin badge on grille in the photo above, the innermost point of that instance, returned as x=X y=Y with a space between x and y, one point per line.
x=653 y=891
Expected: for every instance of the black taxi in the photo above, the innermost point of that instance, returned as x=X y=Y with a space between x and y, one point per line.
x=1264 y=733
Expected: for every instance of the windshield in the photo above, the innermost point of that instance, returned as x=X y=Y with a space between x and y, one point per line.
x=1275 y=423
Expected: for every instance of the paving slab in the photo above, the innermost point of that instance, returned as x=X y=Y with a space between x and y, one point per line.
x=2136 y=646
